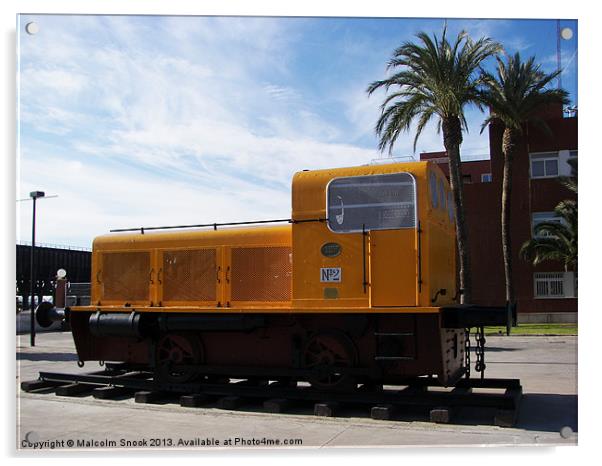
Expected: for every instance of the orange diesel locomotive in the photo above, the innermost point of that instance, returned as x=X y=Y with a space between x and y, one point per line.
x=358 y=287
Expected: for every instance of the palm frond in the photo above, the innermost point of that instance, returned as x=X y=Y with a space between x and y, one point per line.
x=434 y=77
x=519 y=90
x=555 y=241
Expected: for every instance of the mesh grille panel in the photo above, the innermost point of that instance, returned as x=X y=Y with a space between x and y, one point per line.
x=261 y=274
x=126 y=276
x=189 y=275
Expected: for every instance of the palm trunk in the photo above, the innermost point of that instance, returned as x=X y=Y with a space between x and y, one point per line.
x=452 y=138
x=508 y=148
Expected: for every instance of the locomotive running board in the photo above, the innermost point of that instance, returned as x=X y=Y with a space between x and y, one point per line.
x=416 y=394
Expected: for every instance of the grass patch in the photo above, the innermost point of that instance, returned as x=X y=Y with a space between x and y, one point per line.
x=535 y=329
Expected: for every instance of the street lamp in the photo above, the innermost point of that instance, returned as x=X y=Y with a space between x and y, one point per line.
x=35 y=195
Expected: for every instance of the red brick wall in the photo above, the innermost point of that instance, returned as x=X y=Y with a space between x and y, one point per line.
x=537 y=195
x=483 y=212
x=474 y=168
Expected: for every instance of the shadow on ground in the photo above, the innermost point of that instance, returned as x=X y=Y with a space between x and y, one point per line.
x=495 y=349
x=46 y=357
x=544 y=412
x=548 y=412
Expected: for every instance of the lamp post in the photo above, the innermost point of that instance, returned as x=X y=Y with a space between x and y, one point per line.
x=34 y=196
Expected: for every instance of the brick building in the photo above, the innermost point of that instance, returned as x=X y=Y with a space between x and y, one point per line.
x=540 y=160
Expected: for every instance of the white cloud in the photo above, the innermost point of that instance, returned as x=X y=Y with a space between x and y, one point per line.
x=150 y=137
x=93 y=199
x=281 y=92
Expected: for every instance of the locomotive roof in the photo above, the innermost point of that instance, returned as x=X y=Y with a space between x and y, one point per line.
x=369 y=169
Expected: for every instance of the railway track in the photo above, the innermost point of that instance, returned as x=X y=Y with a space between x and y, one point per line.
x=498 y=397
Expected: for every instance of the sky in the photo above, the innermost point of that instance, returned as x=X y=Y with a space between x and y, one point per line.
x=168 y=120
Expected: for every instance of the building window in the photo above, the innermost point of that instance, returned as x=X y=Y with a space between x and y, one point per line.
x=486 y=178
x=541 y=217
x=441 y=194
x=467 y=179
x=554 y=285
x=374 y=202
x=544 y=165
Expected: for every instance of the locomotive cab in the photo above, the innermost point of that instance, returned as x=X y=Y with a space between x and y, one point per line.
x=387 y=239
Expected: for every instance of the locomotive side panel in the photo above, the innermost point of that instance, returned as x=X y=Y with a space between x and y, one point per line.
x=259 y=275
x=215 y=269
x=124 y=277
x=189 y=276
x=310 y=287
x=381 y=347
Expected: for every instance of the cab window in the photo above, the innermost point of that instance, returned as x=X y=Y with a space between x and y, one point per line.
x=374 y=202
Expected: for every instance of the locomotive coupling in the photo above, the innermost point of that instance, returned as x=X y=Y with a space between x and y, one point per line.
x=47 y=313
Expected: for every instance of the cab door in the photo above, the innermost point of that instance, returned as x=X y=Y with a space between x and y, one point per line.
x=394 y=267
x=384 y=206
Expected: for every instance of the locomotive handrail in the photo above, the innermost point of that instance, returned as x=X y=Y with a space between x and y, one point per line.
x=215 y=225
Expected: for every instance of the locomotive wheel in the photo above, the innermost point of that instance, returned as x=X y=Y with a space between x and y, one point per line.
x=175 y=349
x=326 y=351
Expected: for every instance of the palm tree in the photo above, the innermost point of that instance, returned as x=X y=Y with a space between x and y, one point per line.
x=436 y=79
x=514 y=96
x=555 y=241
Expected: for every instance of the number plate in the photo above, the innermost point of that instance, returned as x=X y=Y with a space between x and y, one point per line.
x=330 y=274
